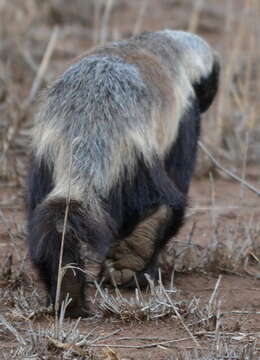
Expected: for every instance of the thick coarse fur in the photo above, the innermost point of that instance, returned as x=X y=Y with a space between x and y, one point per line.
x=179 y=164
x=126 y=116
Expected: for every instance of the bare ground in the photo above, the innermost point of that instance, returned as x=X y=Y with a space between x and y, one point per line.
x=233 y=320
x=209 y=306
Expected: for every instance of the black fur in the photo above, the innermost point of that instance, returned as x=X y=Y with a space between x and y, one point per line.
x=181 y=159
x=39 y=184
x=45 y=242
x=128 y=203
x=179 y=166
x=207 y=88
x=134 y=199
x=45 y=224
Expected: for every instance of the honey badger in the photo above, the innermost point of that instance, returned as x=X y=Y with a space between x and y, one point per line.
x=119 y=129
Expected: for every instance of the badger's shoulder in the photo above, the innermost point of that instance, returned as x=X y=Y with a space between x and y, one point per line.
x=181 y=49
x=201 y=63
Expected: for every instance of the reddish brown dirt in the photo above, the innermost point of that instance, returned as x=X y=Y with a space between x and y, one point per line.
x=234 y=293
x=213 y=204
x=237 y=292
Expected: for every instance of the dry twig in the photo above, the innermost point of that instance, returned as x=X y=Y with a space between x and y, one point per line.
x=228 y=172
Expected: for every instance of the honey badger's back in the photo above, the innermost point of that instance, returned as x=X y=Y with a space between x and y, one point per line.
x=105 y=111
x=116 y=113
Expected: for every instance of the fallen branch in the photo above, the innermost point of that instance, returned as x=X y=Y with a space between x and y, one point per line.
x=141 y=346
x=182 y=322
x=228 y=172
x=104 y=337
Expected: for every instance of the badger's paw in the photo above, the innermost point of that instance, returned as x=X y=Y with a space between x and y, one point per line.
x=126 y=259
x=134 y=255
x=116 y=277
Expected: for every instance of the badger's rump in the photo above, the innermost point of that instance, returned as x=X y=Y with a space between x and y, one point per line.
x=106 y=115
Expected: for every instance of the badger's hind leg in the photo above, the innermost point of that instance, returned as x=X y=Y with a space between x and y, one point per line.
x=137 y=254
x=45 y=226
x=45 y=234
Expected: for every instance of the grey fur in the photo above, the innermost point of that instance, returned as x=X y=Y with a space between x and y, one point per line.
x=103 y=110
x=115 y=116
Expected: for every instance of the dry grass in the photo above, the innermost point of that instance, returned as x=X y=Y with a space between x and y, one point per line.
x=26 y=337
x=231 y=249
x=234 y=139
x=32 y=53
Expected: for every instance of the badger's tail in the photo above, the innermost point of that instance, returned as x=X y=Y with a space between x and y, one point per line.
x=46 y=227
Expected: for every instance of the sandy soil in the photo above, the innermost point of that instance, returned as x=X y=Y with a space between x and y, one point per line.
x=238 y=292
x=217 y=213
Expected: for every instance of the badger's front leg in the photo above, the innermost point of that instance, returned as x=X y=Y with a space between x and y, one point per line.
x=137 y=254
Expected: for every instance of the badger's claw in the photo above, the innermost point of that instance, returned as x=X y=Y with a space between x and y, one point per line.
x=116 y=277
x=128 y=257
